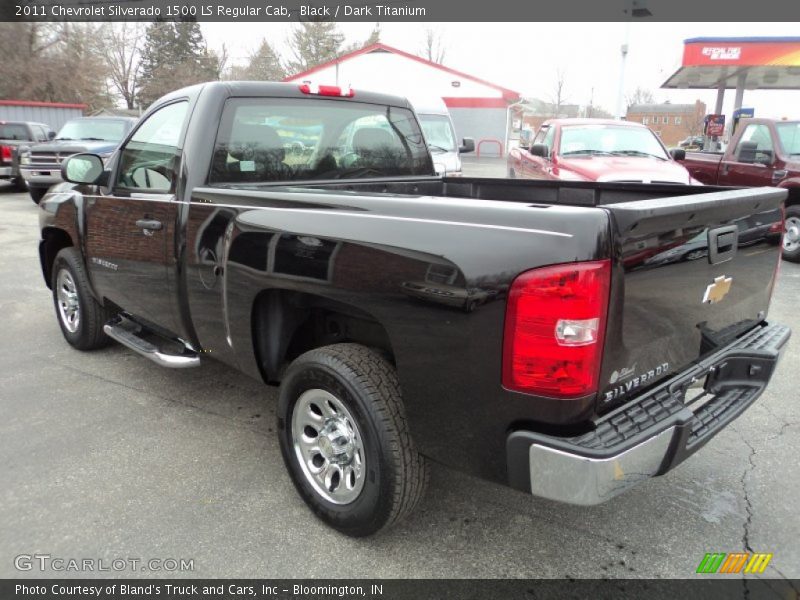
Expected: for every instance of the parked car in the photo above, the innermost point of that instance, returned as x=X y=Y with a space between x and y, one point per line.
x=40 y=164
x=14 y=134
x=761 y=152
x=693 y=142
x=437 y=126
x=597 y=150
x=567 y=380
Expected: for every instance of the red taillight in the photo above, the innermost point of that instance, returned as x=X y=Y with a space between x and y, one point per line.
x=5 y=153
x=554 y=330
x=327 y=90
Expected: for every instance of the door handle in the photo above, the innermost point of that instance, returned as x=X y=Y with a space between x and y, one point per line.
x=151 y=224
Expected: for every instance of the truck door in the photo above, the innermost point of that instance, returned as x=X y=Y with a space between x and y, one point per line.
x=537 y=167
x=130 y=230
x=751 y=162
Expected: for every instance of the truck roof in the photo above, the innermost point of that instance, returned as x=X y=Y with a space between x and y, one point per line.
x=571 y=121
x=280 y=90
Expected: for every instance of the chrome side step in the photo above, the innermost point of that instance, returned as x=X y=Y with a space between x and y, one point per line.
x=127 y=332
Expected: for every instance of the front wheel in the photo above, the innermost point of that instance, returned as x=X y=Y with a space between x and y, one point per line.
x=791 y=235
x=80 y=316
x=345 y=440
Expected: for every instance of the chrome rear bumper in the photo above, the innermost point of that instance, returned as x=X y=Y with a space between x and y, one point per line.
x=651 y=434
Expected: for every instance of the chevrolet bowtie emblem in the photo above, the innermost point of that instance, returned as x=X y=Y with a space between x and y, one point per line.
x=717 y=290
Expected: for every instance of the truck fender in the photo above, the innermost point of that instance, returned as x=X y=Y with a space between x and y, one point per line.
x=62 y=222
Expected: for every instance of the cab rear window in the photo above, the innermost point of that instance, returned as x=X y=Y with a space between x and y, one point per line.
x=270 y=139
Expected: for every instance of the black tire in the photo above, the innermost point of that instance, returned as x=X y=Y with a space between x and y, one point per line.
x=37 y=193
x=88 y=333
x=395 y=475
x=20 y=185
x=792 y=212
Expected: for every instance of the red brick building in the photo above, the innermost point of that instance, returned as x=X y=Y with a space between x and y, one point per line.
x=671 y=122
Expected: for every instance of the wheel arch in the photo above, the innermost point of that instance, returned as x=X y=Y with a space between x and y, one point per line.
x=53 y=241
x=793 y=187
x=287 y=323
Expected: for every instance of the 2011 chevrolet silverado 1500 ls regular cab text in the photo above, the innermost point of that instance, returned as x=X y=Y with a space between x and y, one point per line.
x=335 y=274
x=762 y=152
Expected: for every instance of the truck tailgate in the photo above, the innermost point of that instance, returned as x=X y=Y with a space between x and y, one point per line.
x=692 y=273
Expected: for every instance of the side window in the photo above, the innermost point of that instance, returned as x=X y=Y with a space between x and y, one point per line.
x=149 y=161
x=549 y=139
x=39 y=133
x=539 y=139
x=755 y=145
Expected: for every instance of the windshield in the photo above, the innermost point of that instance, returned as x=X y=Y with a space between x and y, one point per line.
x=611 y=140
x=789 y=134
x=438 y=132
x=267 y=139
x=106 y=130
x=12 y=131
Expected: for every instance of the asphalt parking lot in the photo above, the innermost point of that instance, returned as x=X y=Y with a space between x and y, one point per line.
x=106 y=455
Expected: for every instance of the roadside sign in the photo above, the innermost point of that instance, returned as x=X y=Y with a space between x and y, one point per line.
x=715 y=125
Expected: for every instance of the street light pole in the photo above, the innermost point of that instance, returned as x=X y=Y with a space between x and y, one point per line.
x=624 y=55
x=633 y=9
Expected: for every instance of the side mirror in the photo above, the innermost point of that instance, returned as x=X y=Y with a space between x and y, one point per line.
x=51 y=135
x=540 y=150
x=467 y=145
x=83 y=168
x=678 y=153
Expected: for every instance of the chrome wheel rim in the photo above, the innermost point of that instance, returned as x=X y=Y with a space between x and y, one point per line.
x=328 y=446
x=791 y=237
x=69 y=308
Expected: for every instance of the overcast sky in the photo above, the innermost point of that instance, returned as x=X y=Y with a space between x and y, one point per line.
x=525 y=56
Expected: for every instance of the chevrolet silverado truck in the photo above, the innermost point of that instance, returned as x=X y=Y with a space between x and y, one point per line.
x=597 y=150
x=576 y=373
x=14 y=134
x=761 y=152
x=40 y=164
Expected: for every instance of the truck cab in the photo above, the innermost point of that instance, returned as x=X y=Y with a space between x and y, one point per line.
x=762 y=152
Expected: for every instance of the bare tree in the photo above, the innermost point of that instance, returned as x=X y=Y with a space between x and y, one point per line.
x=36 y=57
x=124 y=43
x=558 y=97
x=640 y=96
x=695 y=120
x=433 y=46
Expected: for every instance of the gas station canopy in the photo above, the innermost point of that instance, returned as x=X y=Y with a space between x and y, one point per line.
x=750 y=63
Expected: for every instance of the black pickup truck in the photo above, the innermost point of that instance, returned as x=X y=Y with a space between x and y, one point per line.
x=512 y=329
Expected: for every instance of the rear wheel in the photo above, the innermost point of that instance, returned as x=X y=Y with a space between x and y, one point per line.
x=791 y=235
x=345 y=441
x=37 y=193
x=79 y=315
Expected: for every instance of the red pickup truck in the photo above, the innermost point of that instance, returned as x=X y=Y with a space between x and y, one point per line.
x=597 y=150
x=763 y=152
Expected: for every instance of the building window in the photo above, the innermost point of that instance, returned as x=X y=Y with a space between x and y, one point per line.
x=645 y=120
x=677 y=120
x=665 y=120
